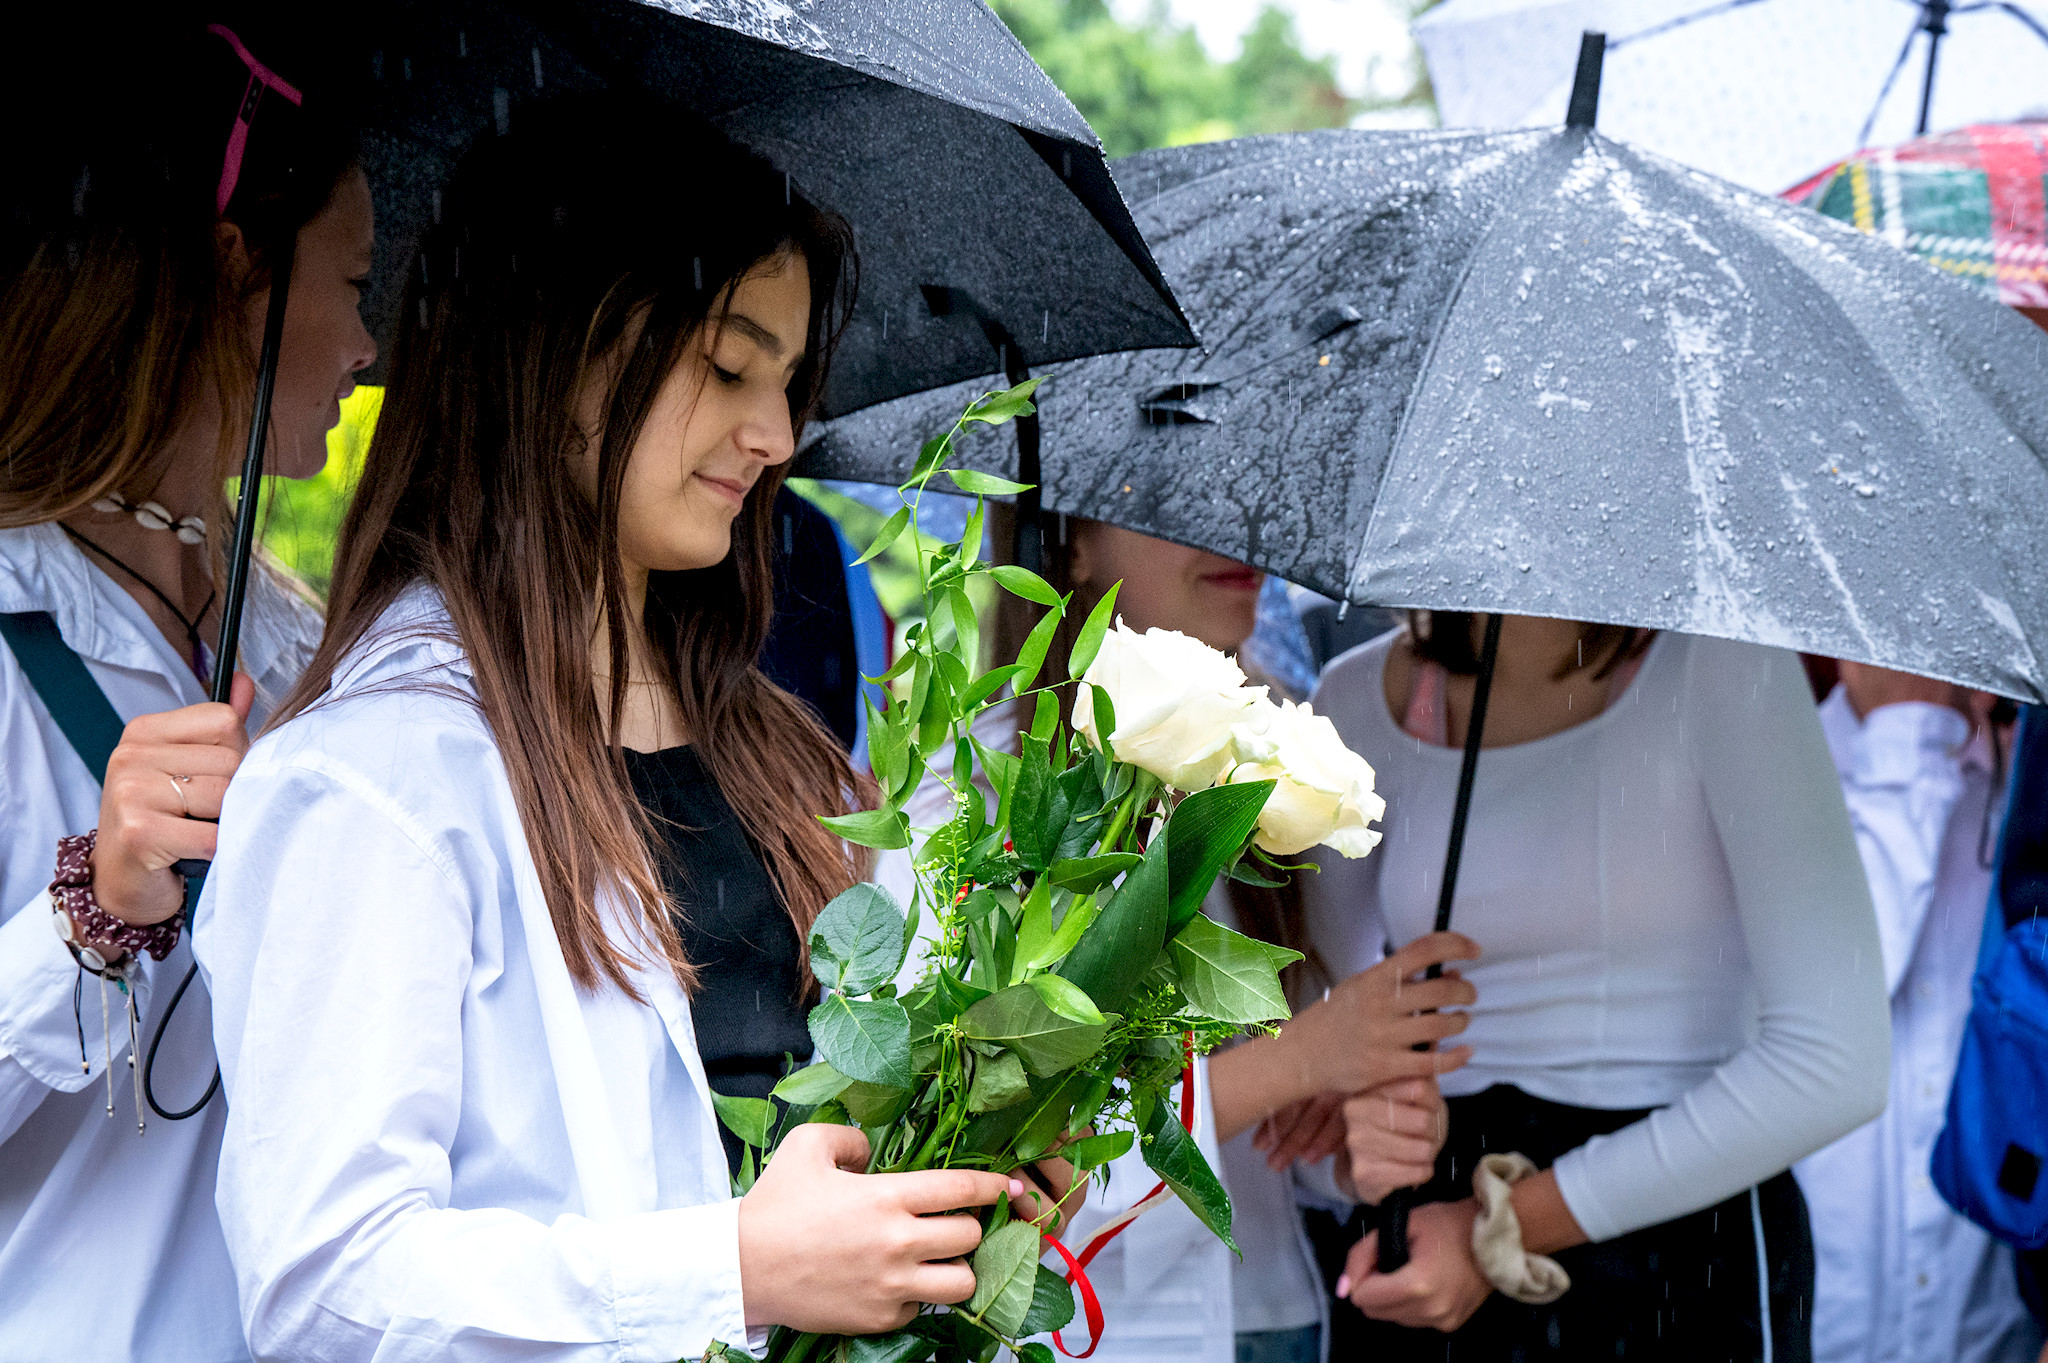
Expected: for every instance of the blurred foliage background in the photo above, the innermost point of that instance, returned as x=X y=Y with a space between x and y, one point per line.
x=1141 y=81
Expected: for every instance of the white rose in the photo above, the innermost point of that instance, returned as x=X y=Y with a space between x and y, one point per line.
x=1323 y=791
x=1175 y=699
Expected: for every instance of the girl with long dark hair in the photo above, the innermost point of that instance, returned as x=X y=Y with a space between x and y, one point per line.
x=534 y=807
x=137 y=242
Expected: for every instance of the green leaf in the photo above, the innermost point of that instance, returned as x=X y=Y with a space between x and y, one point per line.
x=878 y=828
x=1079 y=915
x=1172 y=1154
x=970 y=538
x=984 y=484
x=996 y=408
x=1035 y=822
x=748 y=1118
x=1004 y=1276
x=930 y=457
x=966 y=629
x=868 y=1040
x=1065 y=998
x=987 y=684
x=874 y=1104
x=1034 y=927
x=1085 y=875
x=900 y=1346
x=1025 y=583
x=998 y=1082
x=1052 y=1308
x=1120 y=946
x=1085 y=817
x=1019 y=1018
x=857 y=940
x=1038 y=1353
x=1229 y=976
x=811 y=1085
x=1209 y=830
x=1089 y=641
x=1031 y=657
x=886 y=536
x=955 y=996
x=1092 y=1152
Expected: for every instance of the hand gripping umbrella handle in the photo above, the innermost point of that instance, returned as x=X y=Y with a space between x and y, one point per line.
x=248 y=495
x=1393 y=1241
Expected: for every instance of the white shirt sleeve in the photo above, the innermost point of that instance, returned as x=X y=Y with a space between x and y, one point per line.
x=39 y=1024
x=1817 y=1062
x=1902 y=782
x=338 y=939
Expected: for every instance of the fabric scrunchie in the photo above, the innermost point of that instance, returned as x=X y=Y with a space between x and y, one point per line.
x=1533 y=1279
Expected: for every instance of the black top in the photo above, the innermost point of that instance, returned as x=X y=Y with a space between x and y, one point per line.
x=747 y=1009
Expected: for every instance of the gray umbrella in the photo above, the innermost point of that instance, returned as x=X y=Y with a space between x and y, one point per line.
x=1546 y=374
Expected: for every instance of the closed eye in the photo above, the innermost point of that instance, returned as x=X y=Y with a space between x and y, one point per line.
x=725 y=375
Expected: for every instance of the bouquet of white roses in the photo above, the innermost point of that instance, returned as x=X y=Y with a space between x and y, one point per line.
x=1070 y=976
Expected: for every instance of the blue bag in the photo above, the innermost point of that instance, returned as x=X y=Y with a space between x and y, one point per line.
x=1988 y=1159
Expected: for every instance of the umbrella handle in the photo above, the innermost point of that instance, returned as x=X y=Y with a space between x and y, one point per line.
x=1393 y=1242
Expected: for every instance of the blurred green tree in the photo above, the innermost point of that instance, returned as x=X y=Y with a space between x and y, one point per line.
x=1150 y=83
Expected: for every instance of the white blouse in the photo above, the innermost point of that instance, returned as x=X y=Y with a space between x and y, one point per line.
x=109 y=1245
x=437 y=1146
x=1671 y=911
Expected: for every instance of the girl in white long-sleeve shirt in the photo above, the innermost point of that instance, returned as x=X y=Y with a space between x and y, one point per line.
x=1679 y=988
x=128 y=326
x=468 y=1118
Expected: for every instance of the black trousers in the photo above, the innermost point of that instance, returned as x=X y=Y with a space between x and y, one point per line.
x=1685 y=1291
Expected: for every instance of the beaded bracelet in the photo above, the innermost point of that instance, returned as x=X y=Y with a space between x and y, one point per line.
x=79 y=917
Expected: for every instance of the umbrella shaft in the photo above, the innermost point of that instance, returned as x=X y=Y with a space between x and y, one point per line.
x=1393 y=1241
x=1934 y=19
x=252 y=469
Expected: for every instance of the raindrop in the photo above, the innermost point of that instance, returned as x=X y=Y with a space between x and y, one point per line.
x=462 y=42
x=437 y=208
x=423 y=314
x=501 y=109
x=1045 y=326
x=405 y=67
x=536 y=66
x=697 y=280
x=1067 y=171
x=80 y=190
x=377 y=66
x=785 y=187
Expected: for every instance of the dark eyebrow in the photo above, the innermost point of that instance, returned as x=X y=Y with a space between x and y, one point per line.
x=759 y=335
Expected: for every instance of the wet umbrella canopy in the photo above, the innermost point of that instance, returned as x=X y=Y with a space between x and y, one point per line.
x=923 y=122
x=1545 y=374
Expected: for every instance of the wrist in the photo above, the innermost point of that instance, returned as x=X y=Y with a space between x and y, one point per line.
x=99 y=940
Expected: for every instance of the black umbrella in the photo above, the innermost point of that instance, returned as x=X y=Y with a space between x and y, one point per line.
x=1541 y=373
x=923 y=122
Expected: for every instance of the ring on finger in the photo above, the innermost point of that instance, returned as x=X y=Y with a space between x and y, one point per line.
x=178 y=783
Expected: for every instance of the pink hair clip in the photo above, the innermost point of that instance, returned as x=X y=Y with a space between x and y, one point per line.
x=261 y=78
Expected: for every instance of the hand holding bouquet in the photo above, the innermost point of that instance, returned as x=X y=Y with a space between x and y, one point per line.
x=1071 y=977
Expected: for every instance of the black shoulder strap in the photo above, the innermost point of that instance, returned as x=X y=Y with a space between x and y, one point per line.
x=67 y=689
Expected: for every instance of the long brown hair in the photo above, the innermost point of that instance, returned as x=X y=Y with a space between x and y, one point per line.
x=566 y=256
x=119 y=316
x=1276 y=914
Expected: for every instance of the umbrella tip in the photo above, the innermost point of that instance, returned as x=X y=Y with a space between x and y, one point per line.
x=1585 y=105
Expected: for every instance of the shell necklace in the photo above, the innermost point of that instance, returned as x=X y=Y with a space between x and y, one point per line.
x=153 y=516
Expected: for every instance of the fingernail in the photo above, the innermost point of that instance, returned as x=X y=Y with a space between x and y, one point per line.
x=1016 y=1187
x=1344 y=1284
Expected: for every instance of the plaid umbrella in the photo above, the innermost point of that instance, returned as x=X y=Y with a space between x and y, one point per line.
x=1969 y=202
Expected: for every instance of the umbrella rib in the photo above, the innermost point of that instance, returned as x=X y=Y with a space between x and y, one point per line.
x=1905 y=50
x=1682 y=21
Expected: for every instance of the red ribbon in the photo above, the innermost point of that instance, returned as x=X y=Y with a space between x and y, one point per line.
x=1077 y=1269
